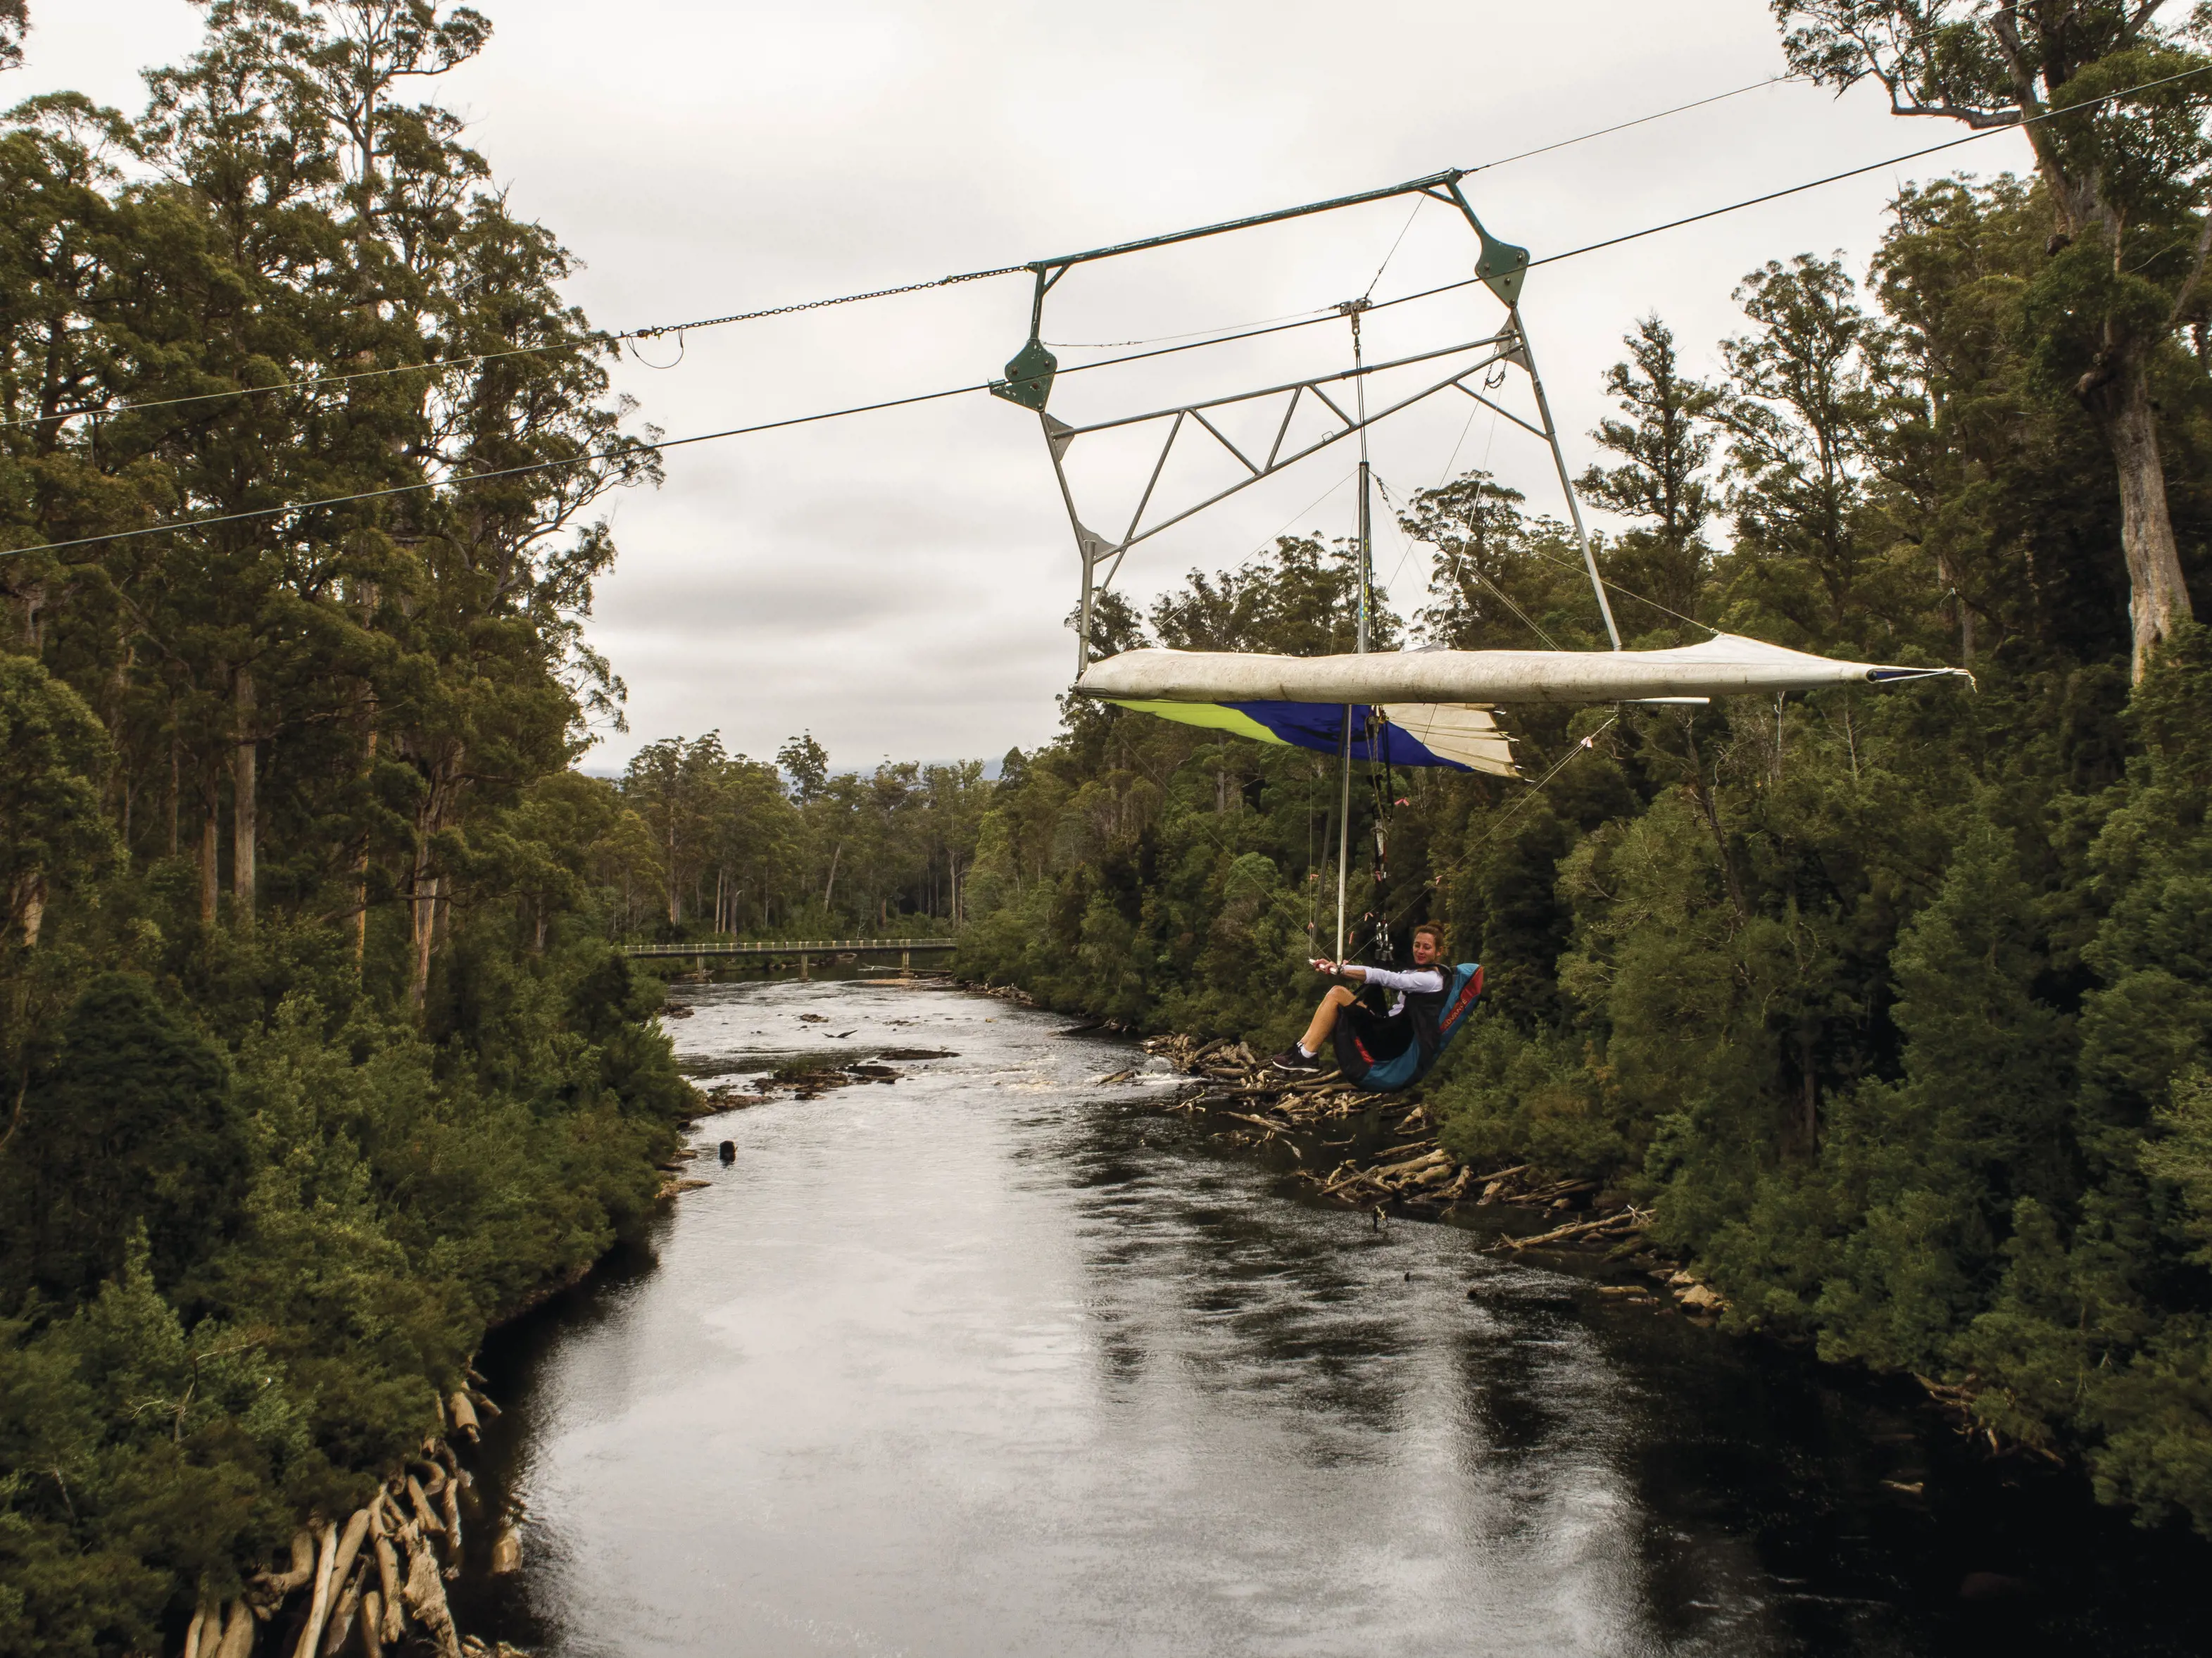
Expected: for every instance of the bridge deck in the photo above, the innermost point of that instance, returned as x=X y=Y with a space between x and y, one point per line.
x=797 y=947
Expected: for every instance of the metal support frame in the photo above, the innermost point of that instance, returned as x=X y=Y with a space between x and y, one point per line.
x=1500 y=266
x=1096 y=549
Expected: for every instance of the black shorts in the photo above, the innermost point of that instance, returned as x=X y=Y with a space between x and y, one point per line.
x=1364 y=1037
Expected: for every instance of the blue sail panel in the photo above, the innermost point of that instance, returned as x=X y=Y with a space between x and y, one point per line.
x=1320 y=726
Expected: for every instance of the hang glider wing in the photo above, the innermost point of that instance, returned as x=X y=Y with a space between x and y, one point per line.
x=1457 y=738
x=1727 y=666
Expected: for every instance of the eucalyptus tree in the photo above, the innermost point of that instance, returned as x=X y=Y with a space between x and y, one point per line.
x=1664 y=444
x=2112 y=101
x=1501 y=578
x=1812 y=387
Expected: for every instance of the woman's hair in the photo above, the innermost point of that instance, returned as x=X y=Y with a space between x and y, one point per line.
x=1434 y=931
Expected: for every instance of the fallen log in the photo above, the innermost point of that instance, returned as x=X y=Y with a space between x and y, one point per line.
x=425 y=1515
x=372 y=1622
x=387 y=1566
x=464 y=1415
x=1381 y=1172
x=1626 y=1218
x=347 y=1550
x=425 y=1592
x=238 y=1633
x=319 y=1606
x=1272 y=1127
x=342 y=1615
x=282 y=1583
x=453 y=1501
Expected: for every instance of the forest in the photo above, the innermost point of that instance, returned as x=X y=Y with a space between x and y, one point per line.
x=1895 y=1006
x=317 y=1061
x=318 y=1058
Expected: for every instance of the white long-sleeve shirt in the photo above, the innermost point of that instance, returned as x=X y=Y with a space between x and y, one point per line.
x=1428 y=981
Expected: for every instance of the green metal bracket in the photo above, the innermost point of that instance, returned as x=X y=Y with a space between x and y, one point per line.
x=1029 y=375
x=1501 y=266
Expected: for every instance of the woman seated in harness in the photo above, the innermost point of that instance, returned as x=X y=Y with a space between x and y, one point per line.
x=1366 y=1040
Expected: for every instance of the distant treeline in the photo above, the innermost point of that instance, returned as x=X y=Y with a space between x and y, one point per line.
x=1896 y=1005
x=717 y=843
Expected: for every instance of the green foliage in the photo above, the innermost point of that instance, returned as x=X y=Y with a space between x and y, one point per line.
x=317 y=1062
x=127 y=1129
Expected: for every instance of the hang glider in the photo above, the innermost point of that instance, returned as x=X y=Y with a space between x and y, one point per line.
x=1436 y=708
x=1417 y=708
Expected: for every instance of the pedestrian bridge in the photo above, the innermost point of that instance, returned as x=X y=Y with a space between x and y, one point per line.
x=803 y=949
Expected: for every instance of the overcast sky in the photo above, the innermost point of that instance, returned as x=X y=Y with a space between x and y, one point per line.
x=897 y=582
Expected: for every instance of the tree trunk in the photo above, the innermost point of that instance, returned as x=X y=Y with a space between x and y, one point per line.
x=830 y=885
x=426 y=926
x=244 y=804
x=1808 y=1121
x=319 y=1604
x=1709 y=811
x=210 y=831
x=2158 y=601
x=360 y=877
x=28 y=903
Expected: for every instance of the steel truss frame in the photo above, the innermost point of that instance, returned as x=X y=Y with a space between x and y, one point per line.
x=1500 y=267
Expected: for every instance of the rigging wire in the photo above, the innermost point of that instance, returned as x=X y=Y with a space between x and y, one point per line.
x=1679 y=109
x=654 y=330
x=618 y=452
x=1474 y=569
x=1227 y=330
x=1626 y=593
x=1581 y=745
x=960 y=390
x=651 y=332
x=1393 y=254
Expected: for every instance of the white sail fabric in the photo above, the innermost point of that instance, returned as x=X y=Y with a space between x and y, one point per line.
x=1725 y=665
x=1455 y=731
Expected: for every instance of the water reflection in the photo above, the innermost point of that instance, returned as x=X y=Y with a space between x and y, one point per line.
x=998 y=1359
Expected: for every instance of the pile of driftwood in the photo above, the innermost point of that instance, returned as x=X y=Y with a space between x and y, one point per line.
x=1411 y=1173
x=1013 y=993
x=1414 y=1173
x=375 y=1580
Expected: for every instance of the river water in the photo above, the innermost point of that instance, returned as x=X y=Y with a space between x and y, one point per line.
x=998 y=1358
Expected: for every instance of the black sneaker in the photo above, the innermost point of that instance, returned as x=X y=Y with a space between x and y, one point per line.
x=1295 y=1058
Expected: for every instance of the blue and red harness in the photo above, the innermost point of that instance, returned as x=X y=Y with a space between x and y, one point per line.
x=1387 y=1065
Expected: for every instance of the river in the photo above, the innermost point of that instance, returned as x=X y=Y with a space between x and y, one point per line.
x=1001 y=1359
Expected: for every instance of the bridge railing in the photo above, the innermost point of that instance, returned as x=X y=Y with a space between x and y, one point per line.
x=794 y=947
